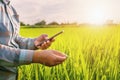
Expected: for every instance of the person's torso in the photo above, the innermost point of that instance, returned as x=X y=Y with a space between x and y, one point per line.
x=9 y=25
x=9 y=29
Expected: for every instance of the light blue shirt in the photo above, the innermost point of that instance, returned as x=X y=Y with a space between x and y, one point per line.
x=14 y=50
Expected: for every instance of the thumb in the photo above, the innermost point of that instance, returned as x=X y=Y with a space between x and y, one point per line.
x=60 y=58
x=44 y=37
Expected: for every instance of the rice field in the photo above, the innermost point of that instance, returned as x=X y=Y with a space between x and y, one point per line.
x=93 y=54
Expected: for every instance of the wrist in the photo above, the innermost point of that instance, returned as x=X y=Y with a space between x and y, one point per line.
x=36 y=56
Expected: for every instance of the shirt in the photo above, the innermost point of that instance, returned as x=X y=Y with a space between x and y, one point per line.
x=14 y=49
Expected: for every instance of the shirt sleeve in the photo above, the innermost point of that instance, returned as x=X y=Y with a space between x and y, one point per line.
x=25 y=43
x=1 y=10
x=14 y=57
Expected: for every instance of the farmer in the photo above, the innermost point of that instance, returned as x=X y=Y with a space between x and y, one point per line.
x=16 y=51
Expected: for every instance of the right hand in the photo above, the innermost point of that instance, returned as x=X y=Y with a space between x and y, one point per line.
x=45 y=44
x=49 y=57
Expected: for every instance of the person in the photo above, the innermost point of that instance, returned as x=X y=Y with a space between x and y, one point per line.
x=16 y=50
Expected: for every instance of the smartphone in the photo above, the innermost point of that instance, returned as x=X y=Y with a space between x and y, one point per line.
x=51 y=37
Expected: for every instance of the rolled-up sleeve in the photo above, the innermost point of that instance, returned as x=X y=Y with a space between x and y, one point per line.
x=26 y=56
x=14 y=57
x=25 y=43
x=10 y=54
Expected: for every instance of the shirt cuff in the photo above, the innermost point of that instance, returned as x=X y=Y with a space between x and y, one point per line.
x=26 y=56
x=32 y=45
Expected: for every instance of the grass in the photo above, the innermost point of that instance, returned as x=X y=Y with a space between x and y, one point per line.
x=93 y=54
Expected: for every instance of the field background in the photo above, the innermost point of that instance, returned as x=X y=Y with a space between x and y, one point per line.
x=93 y=54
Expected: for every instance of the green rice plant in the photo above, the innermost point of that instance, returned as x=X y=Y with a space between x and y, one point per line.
x=93 y=54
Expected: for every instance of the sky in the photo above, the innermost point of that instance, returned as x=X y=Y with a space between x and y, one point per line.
x=81 y=11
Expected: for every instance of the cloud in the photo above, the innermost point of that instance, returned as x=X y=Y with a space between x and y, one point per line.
x=32 y=11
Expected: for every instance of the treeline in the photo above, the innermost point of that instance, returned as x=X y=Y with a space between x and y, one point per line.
x=43 y=23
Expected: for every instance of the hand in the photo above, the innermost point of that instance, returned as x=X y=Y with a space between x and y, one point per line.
x=49 y=57
x=45 y=44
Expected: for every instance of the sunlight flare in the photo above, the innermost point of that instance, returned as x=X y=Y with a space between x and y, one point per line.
x=96 y=16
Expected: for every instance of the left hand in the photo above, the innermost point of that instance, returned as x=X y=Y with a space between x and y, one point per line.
x=46 y=44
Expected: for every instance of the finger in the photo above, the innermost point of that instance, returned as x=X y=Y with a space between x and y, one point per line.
x=48 y=43
x=39 y=47
x=60 y=59
x=60 y=54
x=52 y=40
x=45 y=41
x=45 y=45
x=44 y=37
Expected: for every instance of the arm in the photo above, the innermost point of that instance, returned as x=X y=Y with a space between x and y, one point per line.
x=31 y=44
x=25 y=43
x=14 y=57
x=11 y=56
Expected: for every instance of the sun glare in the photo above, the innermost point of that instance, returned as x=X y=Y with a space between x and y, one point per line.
x=96 y=17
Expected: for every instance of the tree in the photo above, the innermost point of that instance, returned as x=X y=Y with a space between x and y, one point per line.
x=53 y=23
x=43 y=22
x=28 y=25
x=22 y=24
